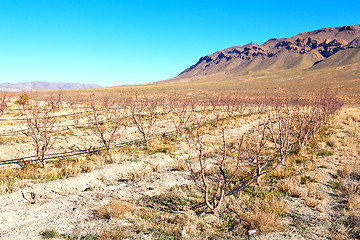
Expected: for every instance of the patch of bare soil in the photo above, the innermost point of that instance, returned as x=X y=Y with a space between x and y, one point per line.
x=68 y=205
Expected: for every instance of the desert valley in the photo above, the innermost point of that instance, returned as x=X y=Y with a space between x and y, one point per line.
x=251 y=142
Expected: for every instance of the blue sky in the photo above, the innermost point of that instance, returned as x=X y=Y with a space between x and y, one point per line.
x=112 y=42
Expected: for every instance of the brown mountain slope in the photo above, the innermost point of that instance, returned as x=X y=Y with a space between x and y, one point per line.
x=279 y=67
x=341 y=58
x=298 y=52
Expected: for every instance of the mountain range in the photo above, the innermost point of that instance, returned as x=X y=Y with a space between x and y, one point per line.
x=25 y=86
x=327 y=47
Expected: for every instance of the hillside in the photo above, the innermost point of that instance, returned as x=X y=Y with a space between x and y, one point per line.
x=320 y=47
x=308 y=63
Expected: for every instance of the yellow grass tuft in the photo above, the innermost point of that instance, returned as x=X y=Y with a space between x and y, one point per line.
x=115 y=209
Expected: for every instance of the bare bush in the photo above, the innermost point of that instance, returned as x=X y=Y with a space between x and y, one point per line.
x=280 y=126
x=199 y=115
x=213 y=182
x=55 y=101
x=109 y=121
x=39 y=121
x=4 y=102
x=230 y=105
x=306 y=124
x=144 y=116
x=256 y=155
x=215 y=107
x=74 y=106
x=181 y=113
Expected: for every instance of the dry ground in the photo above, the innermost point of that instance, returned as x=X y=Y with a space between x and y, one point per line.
x=142 y=196
x=343 y=81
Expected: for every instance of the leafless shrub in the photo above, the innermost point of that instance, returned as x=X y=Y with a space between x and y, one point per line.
x=309 y=118
x=213 y=184
x=280 y=125
x=306 y=124
x=39 y=123
x=4 y=102
x=199 y=115
x=181 y=113
x=55 y=101
x=109 y=122
x=144 y=116
x=165 y=105
x=74 y=106
x=256 y=155
x=215 y=107
x=230 y=106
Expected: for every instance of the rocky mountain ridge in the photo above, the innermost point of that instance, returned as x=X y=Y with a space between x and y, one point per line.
x=298 y=52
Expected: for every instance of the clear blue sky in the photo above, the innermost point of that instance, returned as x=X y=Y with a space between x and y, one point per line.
x=125 y=42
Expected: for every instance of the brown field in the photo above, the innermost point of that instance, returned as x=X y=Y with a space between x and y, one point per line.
x=343 y=81
x=158 y=191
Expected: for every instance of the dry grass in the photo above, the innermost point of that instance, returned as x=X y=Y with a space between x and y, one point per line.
x=262 y=221
x=251 y=84
x=353 y=202
x=180 y=165
x=162 y=145
x=310 y=192
x=264 y=209
x=49 y=233
x=12 y=139
x=169 y=226
x=114 y=210
x=311 y=201
x=282 y=173
x=13 y=177
x=350 y=189
x=139 y=175
x=339 y=232
x=73 y=167
x=315 y=191
x=168 y=216
x=157 y=167
x=292 y=187
x=113 y=234
x=264 y=206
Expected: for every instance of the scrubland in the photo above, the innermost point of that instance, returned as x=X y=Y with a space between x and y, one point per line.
x=179 y=167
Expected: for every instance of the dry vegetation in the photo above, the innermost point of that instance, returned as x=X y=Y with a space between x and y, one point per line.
x=196 y=167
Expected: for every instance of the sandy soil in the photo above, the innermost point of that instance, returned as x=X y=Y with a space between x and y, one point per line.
x=68 y=205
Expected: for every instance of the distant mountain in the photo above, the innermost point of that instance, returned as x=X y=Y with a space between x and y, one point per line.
x=24 y=86
x=316 y=49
